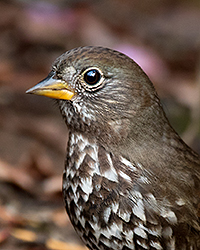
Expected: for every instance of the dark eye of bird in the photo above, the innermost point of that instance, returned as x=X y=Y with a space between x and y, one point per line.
x=92 y=77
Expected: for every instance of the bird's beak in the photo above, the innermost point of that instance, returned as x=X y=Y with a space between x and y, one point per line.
x=52 y=88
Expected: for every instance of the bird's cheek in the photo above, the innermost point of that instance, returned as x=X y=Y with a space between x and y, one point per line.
x=119 y=128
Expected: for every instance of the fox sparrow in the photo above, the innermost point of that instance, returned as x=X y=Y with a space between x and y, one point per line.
x=130 y=182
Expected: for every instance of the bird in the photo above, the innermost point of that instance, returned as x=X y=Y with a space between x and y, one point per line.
x=130 y=182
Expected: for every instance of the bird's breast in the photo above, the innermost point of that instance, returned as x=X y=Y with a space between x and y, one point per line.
x=111 y=203
x=104 y=200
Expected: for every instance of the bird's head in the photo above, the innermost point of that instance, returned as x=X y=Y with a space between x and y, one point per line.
x=100 y=92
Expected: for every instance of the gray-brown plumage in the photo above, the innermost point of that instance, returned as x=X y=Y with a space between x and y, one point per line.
x=130 y=182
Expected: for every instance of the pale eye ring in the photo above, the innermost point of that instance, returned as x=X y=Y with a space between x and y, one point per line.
x=92 y=78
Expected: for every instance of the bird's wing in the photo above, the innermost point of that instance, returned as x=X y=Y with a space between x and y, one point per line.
x=132 y=205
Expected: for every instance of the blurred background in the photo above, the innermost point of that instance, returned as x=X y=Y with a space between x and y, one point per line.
x=162 y=36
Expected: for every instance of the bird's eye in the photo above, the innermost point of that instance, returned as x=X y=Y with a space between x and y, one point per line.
x=92 y=79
